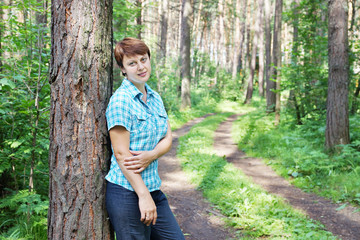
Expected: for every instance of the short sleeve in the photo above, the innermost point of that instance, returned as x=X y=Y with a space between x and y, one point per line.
x=118 y=112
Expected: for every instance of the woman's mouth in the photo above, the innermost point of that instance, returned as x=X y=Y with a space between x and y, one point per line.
x=142 y=74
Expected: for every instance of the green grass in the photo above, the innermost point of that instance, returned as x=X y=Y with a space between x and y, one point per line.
x=207 y=105
x=250 y=209
x=297 y=153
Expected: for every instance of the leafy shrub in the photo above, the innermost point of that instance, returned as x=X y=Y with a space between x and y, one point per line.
x=23 y=214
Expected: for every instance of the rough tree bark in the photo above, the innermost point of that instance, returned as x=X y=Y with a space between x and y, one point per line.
x=186 y=11
x=337 y=117
x=81 y=85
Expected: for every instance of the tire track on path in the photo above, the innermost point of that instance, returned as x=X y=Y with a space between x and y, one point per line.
x=196 y=217
x=344 y=223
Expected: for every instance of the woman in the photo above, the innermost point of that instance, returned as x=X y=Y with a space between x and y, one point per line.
x=140 y=133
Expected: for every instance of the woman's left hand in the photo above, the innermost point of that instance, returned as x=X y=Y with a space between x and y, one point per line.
x=139 y=161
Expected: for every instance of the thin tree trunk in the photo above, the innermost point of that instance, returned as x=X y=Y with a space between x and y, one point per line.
x=41 y=18
x=272 y=86
x=250 y=87
x=277 y=57
x=261 y=48
x=12 y=158
x=337 y=117
x=163 y=38
x=139 y=17
x=236 y=39
x=221 y=36
x=197 y=25
x=267 y=45
x=294 y=60
x=355 y=103
x=185 y=75
x=241 y=7
x=248 y=41
x=353 y=13
x=81 y=85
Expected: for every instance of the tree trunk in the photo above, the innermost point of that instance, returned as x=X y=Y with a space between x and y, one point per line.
x=353 y=12
x=221 y=45
x=163 y=39
x=337 y=117
x=250 y=87
x=164 y=28
x=271 y=86
x=139 y=17
x=81 y=85
x=355 y=103
x=41 y=18
x=239 y=35
x=198 y=39
x=267 y=45
x=294 y=60
x=236 y=39
x=277 y=57
x=248 y=41
x=185 y=54
x=261 y=48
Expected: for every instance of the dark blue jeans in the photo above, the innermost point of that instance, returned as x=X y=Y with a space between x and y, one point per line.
x=123 y=209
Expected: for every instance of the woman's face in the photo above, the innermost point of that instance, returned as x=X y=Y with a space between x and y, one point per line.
x=137 y=68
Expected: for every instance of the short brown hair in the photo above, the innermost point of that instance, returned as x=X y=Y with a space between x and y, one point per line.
x=129 y=47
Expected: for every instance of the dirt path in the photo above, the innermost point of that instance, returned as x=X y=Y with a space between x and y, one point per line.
x=344 y=223
x=196 y=217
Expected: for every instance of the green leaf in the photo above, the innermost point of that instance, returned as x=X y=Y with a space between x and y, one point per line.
x=7 y=82
x=341 y=207
x=15 y=144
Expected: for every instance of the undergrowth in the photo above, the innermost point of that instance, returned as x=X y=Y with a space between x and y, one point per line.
x=297 y=153
x=23 y=215
x=249 y=208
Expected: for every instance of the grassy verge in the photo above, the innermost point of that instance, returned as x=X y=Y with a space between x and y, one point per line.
x=297 y=152
x=207 y=105
x=249 y=208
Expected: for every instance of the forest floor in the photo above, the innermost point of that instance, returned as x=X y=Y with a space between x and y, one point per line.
x=199 y=220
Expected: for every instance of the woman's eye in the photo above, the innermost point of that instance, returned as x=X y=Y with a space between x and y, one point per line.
x=143 y=59
x=132 y=64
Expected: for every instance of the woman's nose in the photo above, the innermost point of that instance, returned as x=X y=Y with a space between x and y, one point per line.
x=140 y=66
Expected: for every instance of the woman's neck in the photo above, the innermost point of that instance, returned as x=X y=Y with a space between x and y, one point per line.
x=142 y=89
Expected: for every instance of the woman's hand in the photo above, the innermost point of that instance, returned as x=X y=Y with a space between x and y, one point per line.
x=139 y=161
x=147 y=210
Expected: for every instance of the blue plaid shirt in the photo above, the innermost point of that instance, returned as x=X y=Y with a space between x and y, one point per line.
x=147 y=124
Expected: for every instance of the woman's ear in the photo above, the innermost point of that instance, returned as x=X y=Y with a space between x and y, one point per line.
x=123 y=71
